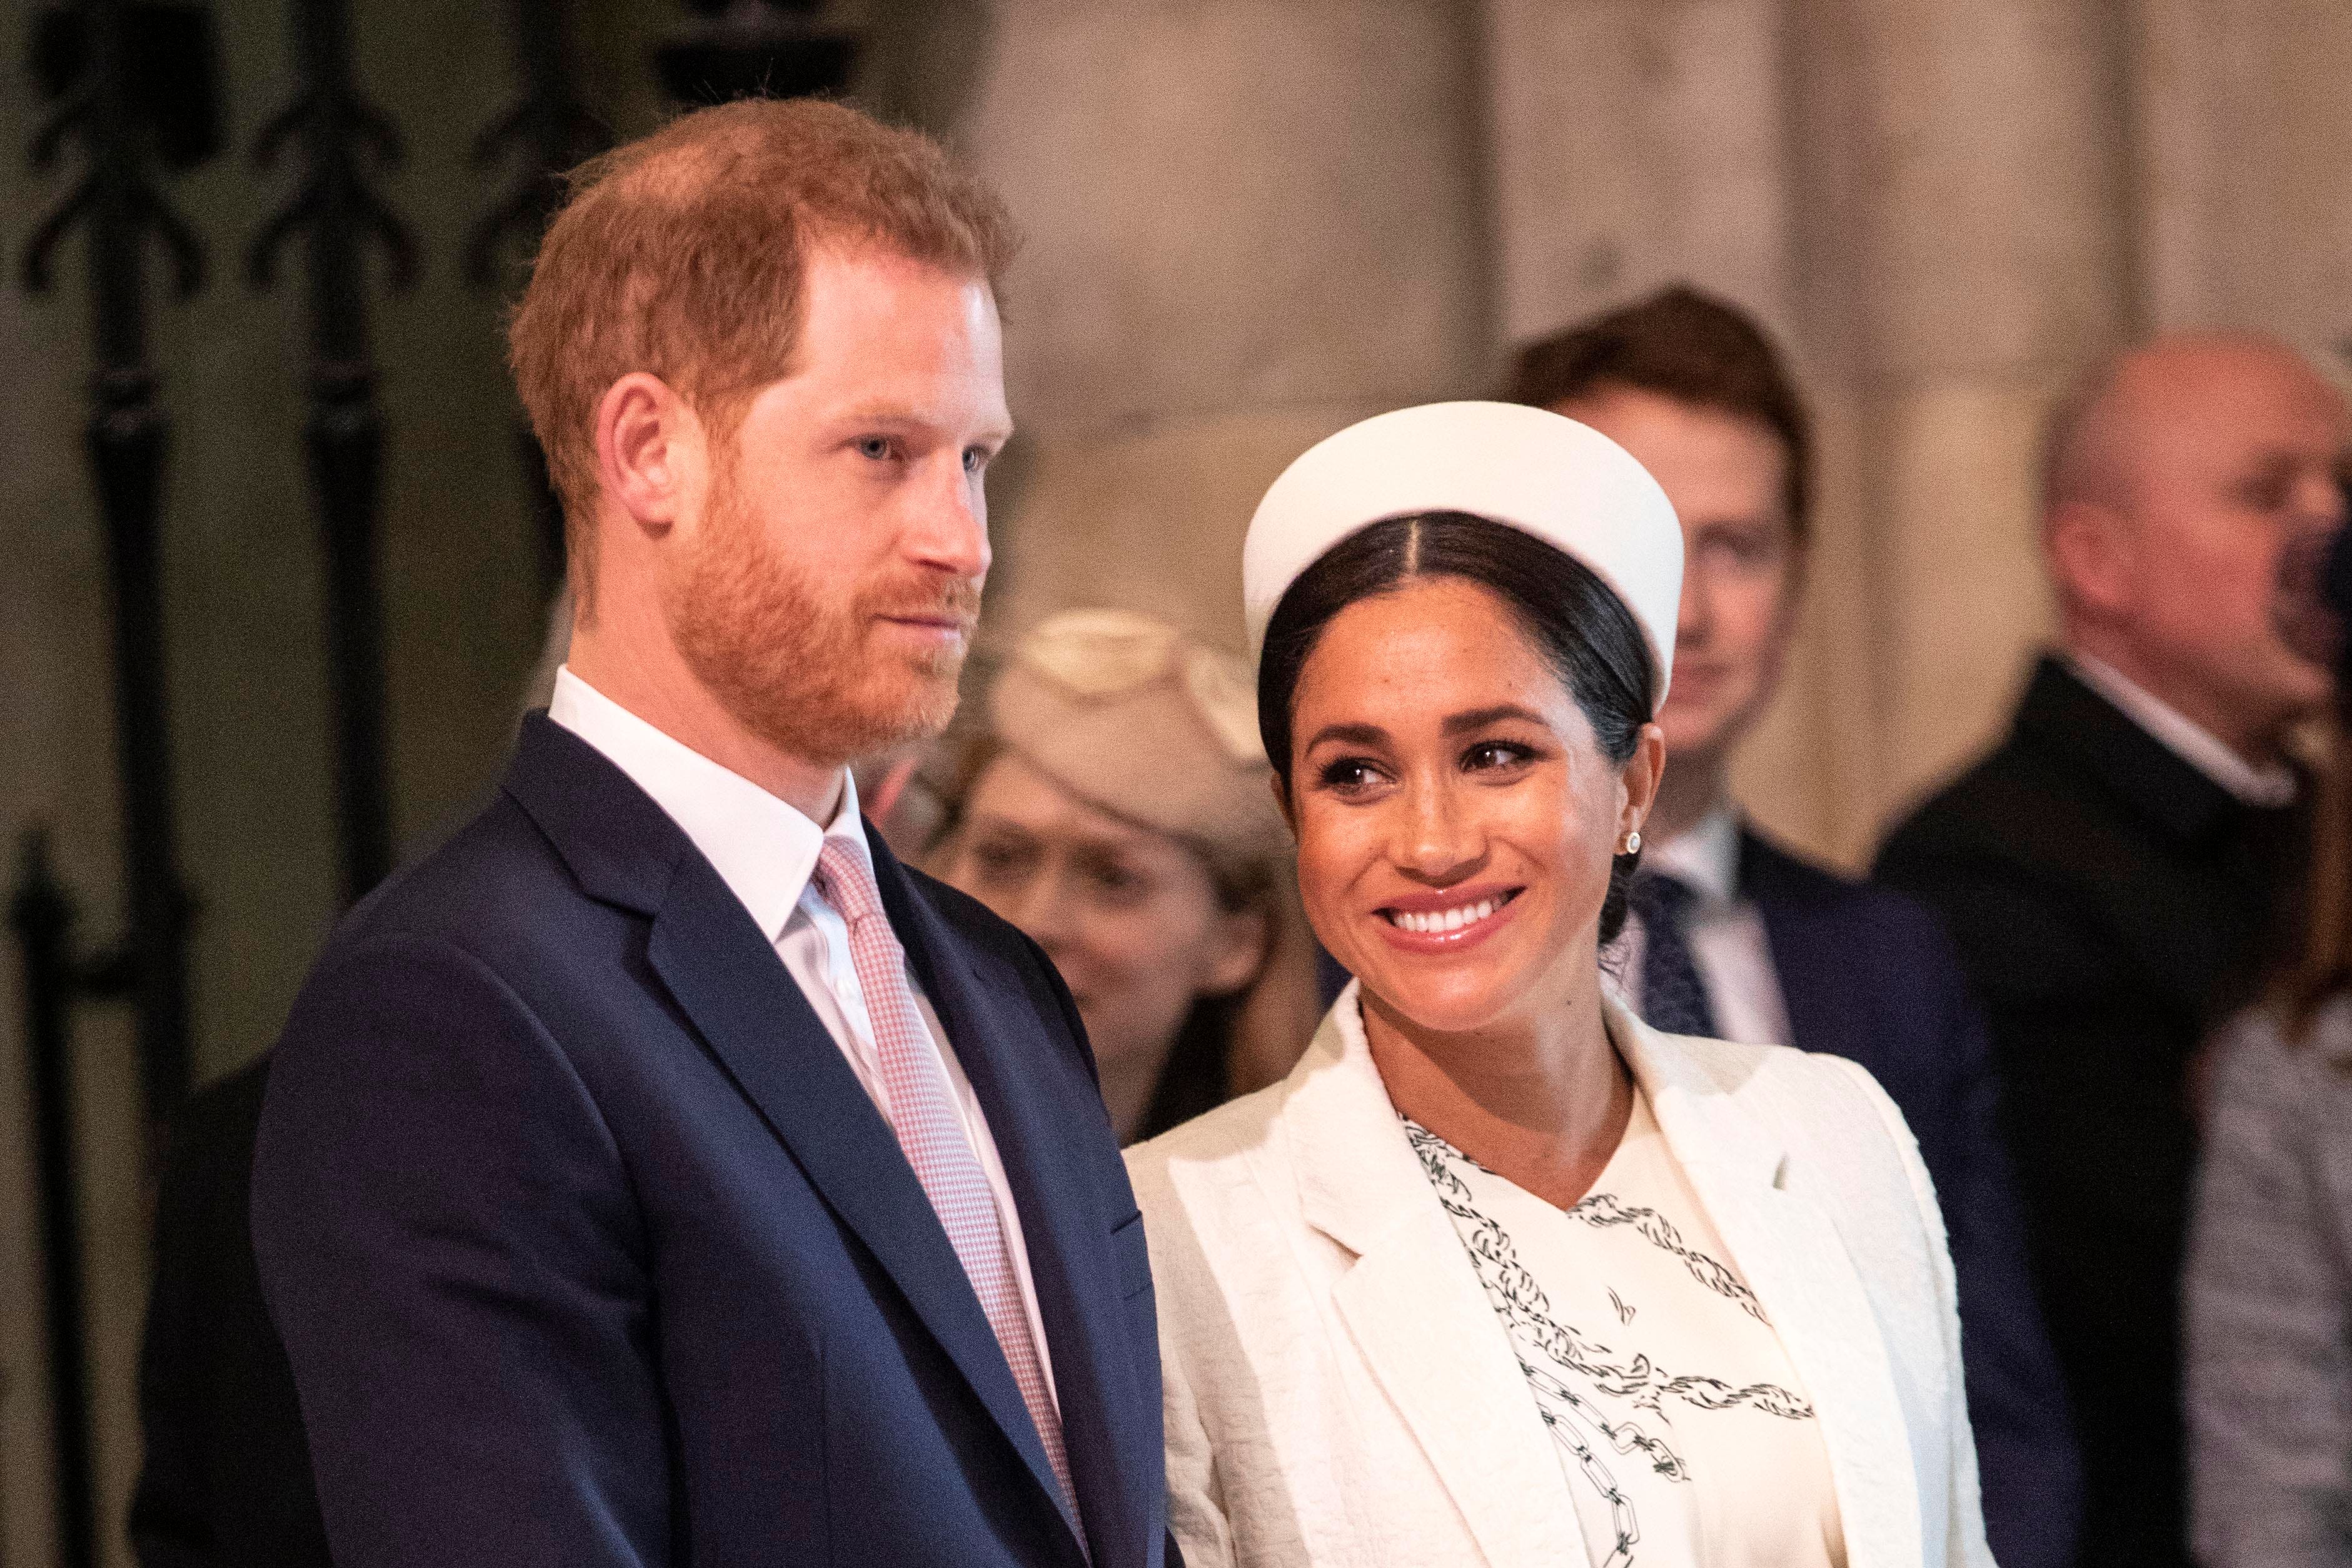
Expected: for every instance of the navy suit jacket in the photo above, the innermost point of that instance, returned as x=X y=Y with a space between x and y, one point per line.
x=1869 y=975
x=588 y=1248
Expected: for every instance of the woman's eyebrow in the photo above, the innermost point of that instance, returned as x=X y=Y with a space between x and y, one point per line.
x=1350 y=735
x=1479 y=718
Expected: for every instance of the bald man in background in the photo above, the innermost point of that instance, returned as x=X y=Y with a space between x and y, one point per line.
x=2113 y=871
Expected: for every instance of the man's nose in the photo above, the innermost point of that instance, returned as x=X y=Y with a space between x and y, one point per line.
x=949 y=531
x=1695 y=614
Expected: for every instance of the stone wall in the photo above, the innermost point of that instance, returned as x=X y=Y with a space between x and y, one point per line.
x=1250 y=222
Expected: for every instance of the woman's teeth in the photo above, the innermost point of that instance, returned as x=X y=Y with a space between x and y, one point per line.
x=1443 y=920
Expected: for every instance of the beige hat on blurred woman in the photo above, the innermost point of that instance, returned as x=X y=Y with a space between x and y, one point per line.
x=1117 y=810
x=1126 y=712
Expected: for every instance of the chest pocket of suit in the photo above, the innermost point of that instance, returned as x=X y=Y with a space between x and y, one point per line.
x=1134 y=1258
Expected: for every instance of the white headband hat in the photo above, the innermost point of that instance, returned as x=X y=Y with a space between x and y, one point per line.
x=1567 y=484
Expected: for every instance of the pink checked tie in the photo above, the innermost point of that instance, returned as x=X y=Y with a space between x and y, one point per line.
x=923 y=1114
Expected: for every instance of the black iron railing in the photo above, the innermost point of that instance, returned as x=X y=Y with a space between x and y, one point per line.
x=136 y=92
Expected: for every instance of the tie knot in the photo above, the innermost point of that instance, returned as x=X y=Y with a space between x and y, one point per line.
x=1661 y=897
x=845 y=882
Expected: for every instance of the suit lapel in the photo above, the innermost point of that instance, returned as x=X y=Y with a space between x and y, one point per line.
x=1793 y=1257
x=1413 y=1305
x=1807 y=954
x=998 y=1031
x=710 y=954
x=745 y=1004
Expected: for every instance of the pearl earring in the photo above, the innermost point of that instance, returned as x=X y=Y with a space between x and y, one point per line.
x=1633 y=843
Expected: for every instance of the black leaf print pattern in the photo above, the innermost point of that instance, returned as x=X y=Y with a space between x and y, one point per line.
x=1548 y=1348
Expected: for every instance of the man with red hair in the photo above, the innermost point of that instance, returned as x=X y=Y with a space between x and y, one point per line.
x=660 y=1172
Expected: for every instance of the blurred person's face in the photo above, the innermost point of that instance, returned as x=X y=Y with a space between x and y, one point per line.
x=1130 y=917
x=2226 y=454
x=1456 y=819
x=828 y=593
x=1726 y=477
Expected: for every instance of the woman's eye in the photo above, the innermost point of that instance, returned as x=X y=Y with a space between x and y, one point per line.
x=876 y=447
x=1487 y=754
x=1349 y=775
x=974 y=459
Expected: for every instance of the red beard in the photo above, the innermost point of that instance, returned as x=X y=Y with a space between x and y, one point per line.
x=798 y=670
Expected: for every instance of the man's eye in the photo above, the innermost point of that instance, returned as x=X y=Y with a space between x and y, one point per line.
x=997 y=860
x=1738 y=551
x=877 y=447
x=1117 y=881
x=2266 y=491
x=976 y=458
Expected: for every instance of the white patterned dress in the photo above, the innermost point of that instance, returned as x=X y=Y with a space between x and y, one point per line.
x=1681 y=1431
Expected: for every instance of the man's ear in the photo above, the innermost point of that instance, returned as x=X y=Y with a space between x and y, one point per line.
x=2090 y=555
x=1244 y=941
x=649 y=450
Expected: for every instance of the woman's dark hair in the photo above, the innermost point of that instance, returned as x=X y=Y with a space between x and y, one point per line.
x=1578 y=624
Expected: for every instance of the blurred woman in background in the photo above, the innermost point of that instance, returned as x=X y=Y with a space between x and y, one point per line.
x=1116 y=808
x=2269 y=1288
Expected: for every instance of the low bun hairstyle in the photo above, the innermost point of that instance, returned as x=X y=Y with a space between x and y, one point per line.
x=1578 y=624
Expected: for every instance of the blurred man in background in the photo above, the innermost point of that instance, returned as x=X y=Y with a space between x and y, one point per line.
x=2113 y=872
x=1734 y=936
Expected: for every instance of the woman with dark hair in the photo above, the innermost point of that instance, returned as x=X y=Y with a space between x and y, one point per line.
x=2268 y=1297
x=1498 y=1274
x=1115 y=808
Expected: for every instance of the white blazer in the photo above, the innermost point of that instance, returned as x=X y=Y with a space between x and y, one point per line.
x=1338 y=1388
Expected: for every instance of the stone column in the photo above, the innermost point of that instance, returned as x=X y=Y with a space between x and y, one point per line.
x=1249 y=222
x=2244 y=134
x=1964 y=202
x=1636 y=143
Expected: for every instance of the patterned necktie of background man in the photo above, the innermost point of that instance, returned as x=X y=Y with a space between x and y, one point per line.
x=1674 y=997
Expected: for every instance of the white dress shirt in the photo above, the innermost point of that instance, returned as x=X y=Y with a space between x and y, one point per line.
x=2184 y=738
x=1726 y=936
x=766 y=851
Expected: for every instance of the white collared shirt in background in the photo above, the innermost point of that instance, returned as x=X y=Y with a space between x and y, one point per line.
x=1728 y=940
x=766 y=851
x=2269 y=787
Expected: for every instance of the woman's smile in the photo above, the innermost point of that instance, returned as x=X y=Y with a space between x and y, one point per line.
x=1455 y=817
x=1448 y=920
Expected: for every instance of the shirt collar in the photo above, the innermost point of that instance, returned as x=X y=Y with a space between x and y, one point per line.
x=1705 y=858
x=2184 y=738
x=763 y=849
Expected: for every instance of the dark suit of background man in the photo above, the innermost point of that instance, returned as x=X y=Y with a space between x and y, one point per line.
x=224 y=1478
x=2113 y=870
x=660 y=1173
x=1734 y=937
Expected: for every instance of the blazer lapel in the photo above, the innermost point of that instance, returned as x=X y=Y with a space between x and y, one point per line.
x=745 y=1004
x=706 y=949
x=1794 y=1260
x=1414 y=1307
x=997 y=1031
